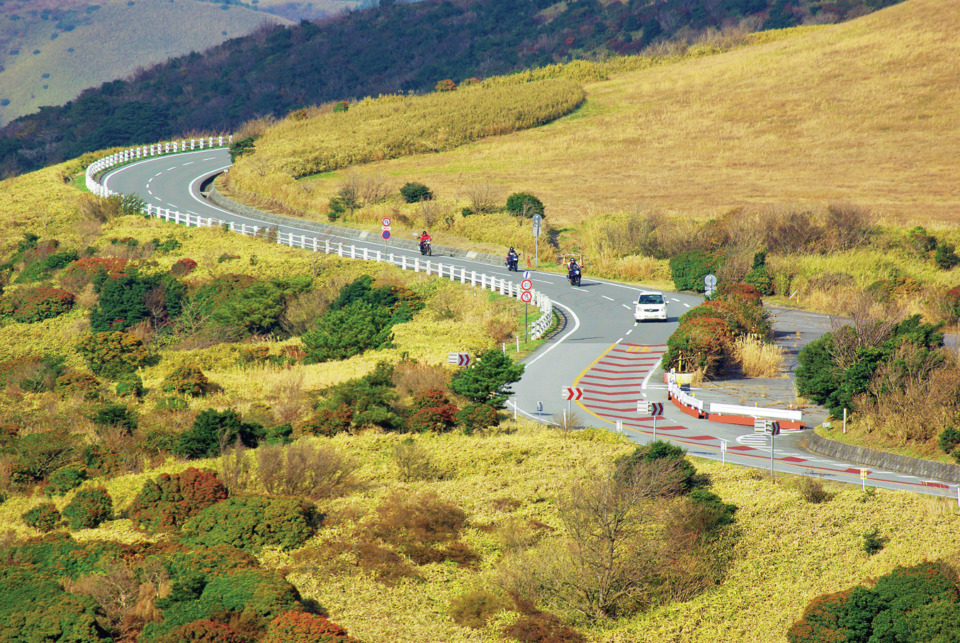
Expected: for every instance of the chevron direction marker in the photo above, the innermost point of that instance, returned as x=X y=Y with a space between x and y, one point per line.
x=459 y=359
x=652 y=409
x=571 y=393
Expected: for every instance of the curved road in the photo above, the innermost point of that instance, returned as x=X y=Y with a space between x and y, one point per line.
x=600 y=350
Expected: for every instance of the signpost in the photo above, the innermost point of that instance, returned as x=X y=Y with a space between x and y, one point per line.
x=710 y=281
x=771 y=428
x=385 y=229
x=723 y=452
x=863 y=479
x=526 y=296
x=650 y=409
x=536 y=238
x=571 y=393
x=459 y=359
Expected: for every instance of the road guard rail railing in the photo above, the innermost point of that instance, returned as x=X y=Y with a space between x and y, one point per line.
x=730 y=413
x=316 y=244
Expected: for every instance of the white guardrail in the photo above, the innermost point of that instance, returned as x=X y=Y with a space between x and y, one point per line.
x=683 y=397
x=761 y=412
x=315 y=244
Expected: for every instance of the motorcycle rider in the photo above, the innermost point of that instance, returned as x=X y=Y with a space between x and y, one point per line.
x=573 y=271
x=512 y=259
x=425 y=242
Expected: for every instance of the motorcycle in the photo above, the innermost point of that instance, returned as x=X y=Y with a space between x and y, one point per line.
x=513 y=261
x=574 y=276
x=425 y=248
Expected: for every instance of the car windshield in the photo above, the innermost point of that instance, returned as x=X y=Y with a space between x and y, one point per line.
x=650 y=299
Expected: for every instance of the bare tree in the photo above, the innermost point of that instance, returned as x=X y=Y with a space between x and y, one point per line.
x=484 y=197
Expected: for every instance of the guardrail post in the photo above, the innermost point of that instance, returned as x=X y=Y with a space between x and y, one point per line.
x=340 y=249
x=379 y=257
x=326 y=249
x=366 y=256
x=416 y=264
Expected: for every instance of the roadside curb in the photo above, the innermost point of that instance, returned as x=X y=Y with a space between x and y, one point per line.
x=881 y=460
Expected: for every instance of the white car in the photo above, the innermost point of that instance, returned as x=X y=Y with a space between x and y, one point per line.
x=650 y=305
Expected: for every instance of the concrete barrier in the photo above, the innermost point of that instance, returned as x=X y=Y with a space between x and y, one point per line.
x=881 y=459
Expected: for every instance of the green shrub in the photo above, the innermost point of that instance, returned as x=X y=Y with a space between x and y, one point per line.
x=78 y=383
x=685 y=472
x=39 y=268
x=341 y=334
x=63 y=480
x=700 y=342
x=340 y=106
x=712 y=511
x=689 y=269
x=183 y=267
x=415 y=192
x=130 y=385
x=32 y=373
x=241 y=147
x=128 y=299
x=213 y=431
x=37 y=304
x=949 y=439
x=253 y=522
x=477 y=417
x=873 y=542
x=39 y=454
x=301 y=627
x=89 y=508
x=116 y=416
x=186 y=380
x=34 y=607
x=521 y=204
x=487 y=379
x=44 y=517
x=114 y=353
x=166 y=503
x=329 y=422
x=945 y=256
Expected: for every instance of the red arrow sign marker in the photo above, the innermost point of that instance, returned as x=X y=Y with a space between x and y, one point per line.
x=571 y=393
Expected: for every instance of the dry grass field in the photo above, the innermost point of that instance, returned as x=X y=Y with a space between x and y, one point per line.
x=863 y=112
x=108 y=43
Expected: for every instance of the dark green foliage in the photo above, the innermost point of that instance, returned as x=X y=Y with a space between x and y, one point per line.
x=820 y=379
x=712 y=511
x=241 y=302
x=166 y=503
x=365 y=401
x=873 y=542
x=129 y=299
x=626 y=466
x=487 y=380
x=115 y=353
x=36 y=304
x=34 y=607
x=213 y=431
x=44 y=517
x=167 y=245
x=116 y=416
x=908 y=604
x=188 y=381
x=949 y=439
x=758 y=276
x=78 y=383
x=341 y=334
x=341 y=106
x=89 y=508
x=946 y=256
x=414 y=192
x=39 y=454
x=130 y=385
x=253 y=522
x=521 y=204
x=63 y=480
x=241 y=147
x=689 y=269
x=40 y=268
x=477 y=417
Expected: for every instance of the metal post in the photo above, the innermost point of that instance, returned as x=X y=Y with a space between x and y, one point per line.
x=654 y=427
x=515 y=417
x=772 y=436
x=518 y=343
x=844 y=420
x=526 y=324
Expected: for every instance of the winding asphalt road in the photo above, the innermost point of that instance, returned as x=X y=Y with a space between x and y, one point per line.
x=600 y=350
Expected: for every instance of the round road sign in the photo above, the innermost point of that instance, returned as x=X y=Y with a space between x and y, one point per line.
x=710 y=281
x=385 y=234
x=526 y=296
x=386 y=222
x=526 y=284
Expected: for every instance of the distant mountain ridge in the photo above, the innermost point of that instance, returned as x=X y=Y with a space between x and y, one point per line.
x=393 y=47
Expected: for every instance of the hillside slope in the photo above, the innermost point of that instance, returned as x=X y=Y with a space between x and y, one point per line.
x=862 y=112
x=392 y=47
x=53 y=65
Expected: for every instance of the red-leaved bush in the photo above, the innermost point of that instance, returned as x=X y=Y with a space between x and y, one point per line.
x=183 y=267
x=300 y=627
x=207 y=631
x=36 y=304
x=169 y=501
x=82 y=271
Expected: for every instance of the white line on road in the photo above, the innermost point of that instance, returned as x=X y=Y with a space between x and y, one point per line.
x=189 y=163
x=149 y=191
x=158 y=198
x=618 y=341
x=158 y=174
x=608 y=298
x=626 y=306
x=629 y=331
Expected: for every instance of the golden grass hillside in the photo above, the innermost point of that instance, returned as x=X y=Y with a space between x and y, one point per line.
x=786 y=550
x=862 y=112
x=110 y=42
